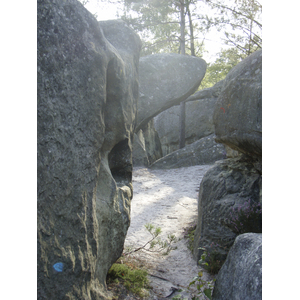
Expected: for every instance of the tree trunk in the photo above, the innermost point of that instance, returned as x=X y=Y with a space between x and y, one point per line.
x=191 y=30
x=182 y=51
x=182 y=28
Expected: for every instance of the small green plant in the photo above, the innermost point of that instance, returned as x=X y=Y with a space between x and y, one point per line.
x=135 y=280
x=129 y=273
x=189 y=234
x=156 y=244
x=203 y=287
x=246 y=218
x=211 y=258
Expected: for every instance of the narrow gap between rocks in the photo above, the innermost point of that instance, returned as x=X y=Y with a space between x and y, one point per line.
x=167 y=199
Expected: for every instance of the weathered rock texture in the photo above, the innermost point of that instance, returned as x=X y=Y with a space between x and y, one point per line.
x=227 y=185
x=87 y=95
x=212 y=92
x=146 y=146
x=230 y=183
x=238 y=113
x=202 y=152
x=152 y=142
x=241 y=275
x=166 y=80
x=199 y=109
x=139 y=152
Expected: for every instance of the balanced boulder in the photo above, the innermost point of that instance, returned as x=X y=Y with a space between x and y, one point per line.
x=199 y=109
x=87 y=93
x=166 y=80
x=238 y=112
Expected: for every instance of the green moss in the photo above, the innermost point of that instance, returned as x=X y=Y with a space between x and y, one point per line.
x=135 y=280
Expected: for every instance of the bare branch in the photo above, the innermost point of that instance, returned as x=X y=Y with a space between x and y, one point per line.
x=235 y=12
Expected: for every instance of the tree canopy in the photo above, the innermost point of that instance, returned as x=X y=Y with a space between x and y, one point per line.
x=160 y=26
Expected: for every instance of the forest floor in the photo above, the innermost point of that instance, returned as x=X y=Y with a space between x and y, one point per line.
x=166 y=199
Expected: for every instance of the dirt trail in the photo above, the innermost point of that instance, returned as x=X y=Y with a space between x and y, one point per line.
x=168 y=199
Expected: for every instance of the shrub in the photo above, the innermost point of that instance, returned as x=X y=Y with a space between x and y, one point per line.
x=156 y=244
x=203 y=287
x=211 y=259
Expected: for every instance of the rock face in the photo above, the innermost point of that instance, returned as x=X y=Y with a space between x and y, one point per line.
x=152 y=142
x=202 y=152
x=166 y=80
x=139 y=152
x=238 y=114
x=86 y=110
x=146 y=147
x=241 y=275
x=199 y=109
x=230 y=183
x=226 y=185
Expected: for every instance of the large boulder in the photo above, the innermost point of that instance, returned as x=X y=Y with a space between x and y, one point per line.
x=87 y=93
x=199 y=109
x=241 y=275
x=166 y=80
x=227 y=185
x=232 y=182
x=202 y=152
x=238 y=114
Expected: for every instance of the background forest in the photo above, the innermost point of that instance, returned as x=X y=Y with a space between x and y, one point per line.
x=186 y=26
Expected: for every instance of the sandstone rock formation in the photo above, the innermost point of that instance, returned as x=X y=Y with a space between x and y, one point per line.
x=228 y=184
x=146 y=146
x=238 y=113
x=139 y=151
x=152 y=142
x=87 y=94
x=241 y=275
x=201 y=152
x=199 y=111
x=166 y=80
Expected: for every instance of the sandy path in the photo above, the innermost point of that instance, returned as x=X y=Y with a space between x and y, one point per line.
x=168 y=199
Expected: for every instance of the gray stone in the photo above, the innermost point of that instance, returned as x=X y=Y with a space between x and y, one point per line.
x=227 y=185
x=139 y=152
x=202 y=152
x=199 y=119
x=146 y=146
x=152 y=142
x=230 y=153
x=241 y=275
x=166 y=80
x=231 y=182
x=87 y=93
x=212 y=92
x=238 y=112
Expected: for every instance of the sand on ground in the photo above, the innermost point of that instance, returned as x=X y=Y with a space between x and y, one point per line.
x=166 y=199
